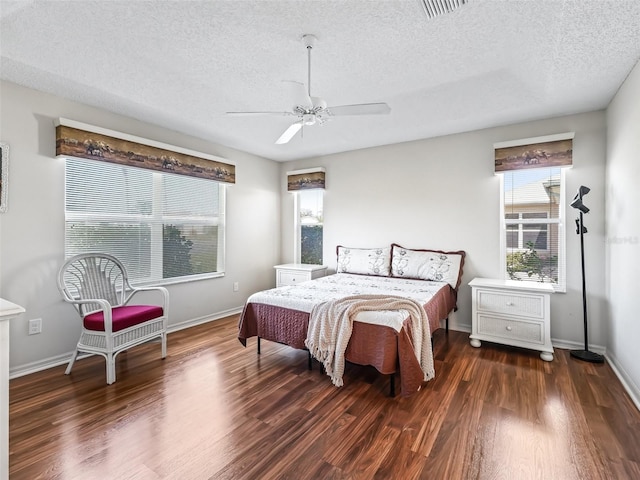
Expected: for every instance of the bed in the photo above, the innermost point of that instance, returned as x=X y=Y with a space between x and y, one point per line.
x=381 y=339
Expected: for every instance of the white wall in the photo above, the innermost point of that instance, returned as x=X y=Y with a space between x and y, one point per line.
x=438 y=193
x=442 y=193
x=623 y=230
x=32 y=230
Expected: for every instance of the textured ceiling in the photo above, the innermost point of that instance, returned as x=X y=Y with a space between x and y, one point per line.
x=183 y=64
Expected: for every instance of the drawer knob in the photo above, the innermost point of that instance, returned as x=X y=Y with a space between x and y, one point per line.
x=510 y=304
x=508 y=328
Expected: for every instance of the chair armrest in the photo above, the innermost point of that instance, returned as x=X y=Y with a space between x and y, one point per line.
x=163 y=291
x=105 y=307
x=103 y=303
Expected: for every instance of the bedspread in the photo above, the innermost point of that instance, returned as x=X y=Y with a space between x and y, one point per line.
x=381 y=339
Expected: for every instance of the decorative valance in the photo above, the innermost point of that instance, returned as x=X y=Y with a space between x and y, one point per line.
x=305 y=179
x=548 y=151
x=75 y=139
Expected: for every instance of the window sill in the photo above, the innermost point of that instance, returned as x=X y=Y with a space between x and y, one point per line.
x=177 y=280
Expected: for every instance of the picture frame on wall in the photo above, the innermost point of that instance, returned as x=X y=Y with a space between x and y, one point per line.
x=4 y=176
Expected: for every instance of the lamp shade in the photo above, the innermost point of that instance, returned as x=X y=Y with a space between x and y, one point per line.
x=577 y=203
x=577 y=200
x=583 y=190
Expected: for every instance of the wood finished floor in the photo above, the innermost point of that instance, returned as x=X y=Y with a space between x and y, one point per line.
x=215 y=410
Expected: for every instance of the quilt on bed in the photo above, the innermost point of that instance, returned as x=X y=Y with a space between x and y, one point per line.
x=306 y=295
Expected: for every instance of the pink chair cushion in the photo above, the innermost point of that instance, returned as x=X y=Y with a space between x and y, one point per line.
x=123 y=317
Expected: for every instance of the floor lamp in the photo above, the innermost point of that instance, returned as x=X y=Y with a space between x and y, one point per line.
x=585 y=354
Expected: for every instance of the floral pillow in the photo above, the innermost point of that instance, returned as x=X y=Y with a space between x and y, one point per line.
x=364 y=261
x=432 y=265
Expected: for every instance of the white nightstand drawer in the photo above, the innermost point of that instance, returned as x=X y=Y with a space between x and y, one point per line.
x=292 y=278
x=511 y=303
x=294 y=273
x=505 y=328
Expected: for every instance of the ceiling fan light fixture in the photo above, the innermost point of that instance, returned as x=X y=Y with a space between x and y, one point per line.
x=433 y=8
x=318 y=103
x=309 y=119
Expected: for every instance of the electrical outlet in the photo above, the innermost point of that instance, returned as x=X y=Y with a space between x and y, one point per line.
x=35 y=326
x=236 y=286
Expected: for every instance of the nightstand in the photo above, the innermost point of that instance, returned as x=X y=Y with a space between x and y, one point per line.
x=511 y=312
x=294 y=273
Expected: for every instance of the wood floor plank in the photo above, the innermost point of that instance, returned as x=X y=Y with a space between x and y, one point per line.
x=401 y=458
x=214 y=409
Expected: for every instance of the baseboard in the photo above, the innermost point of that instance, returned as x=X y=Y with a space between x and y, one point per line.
x=632 y=389
x=40 y=365
x=557 y=342
x=63 y=359
x=205 y=319
x=570 y=345
x=454 y=325
x=460 y=328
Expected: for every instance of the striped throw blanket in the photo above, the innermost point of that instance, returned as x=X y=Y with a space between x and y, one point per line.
x=331 y=323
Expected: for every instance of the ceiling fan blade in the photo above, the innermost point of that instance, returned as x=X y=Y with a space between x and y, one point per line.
x=289 y=133
x=284 y=114
x=360 y=109
x=299 y=94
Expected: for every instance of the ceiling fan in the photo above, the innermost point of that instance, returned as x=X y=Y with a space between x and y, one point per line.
x=314 y=110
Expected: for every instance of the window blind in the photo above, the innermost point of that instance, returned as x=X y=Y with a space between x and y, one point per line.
x=533 y=231
x=309 y=226
x=160 y=225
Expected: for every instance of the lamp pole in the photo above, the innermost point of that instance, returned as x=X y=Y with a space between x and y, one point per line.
x=584 y=287
x=585 y=354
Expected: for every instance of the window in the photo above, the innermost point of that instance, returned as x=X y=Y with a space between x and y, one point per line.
x=308 y=226
x=163 y=227
x=520 y=234
x=532 y=213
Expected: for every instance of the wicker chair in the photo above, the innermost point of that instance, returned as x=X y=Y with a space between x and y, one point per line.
x=98 y=287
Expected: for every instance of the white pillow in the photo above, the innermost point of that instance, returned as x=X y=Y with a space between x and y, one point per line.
x=432 y=265
x=364 y=261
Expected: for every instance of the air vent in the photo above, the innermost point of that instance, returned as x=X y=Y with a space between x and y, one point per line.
x=433 y=8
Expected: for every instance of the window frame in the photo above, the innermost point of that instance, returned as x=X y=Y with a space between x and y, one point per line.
x=156 y=220
x=297 y=229
x=561 y=285
x=297 y=223
x=521 y=222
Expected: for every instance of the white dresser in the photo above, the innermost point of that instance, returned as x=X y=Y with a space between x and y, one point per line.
x=511 y=312
x=293 y=273
x=8 y=311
